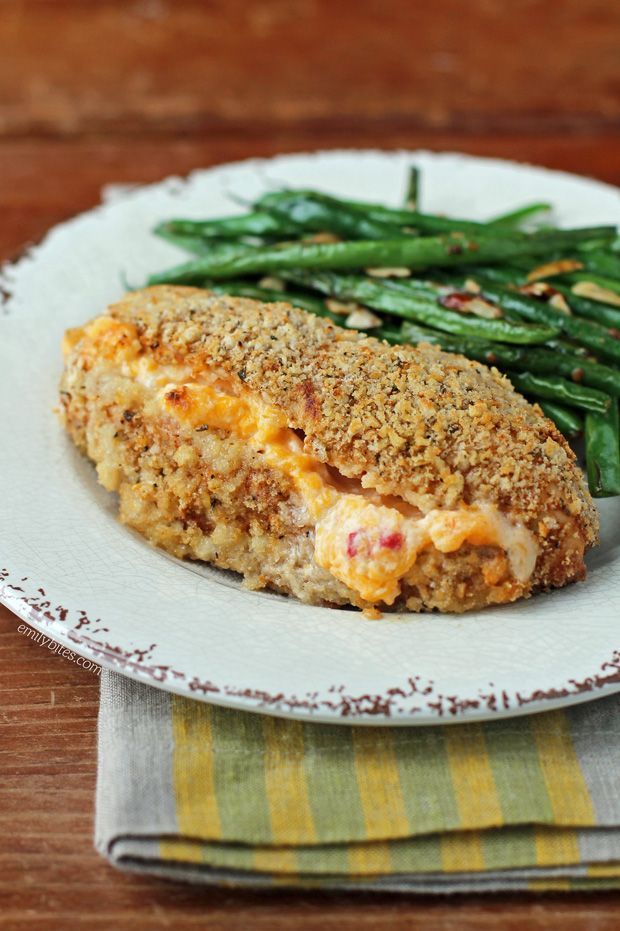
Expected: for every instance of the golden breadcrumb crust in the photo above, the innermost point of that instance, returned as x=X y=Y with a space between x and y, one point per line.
x=432 y=428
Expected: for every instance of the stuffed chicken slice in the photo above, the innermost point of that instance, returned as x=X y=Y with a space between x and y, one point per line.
x=319 y=462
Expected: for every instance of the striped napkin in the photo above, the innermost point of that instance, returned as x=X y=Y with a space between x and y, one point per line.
x=211 y=795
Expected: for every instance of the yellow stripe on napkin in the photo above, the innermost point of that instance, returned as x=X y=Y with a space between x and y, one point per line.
x=285 y=781
x=370 y=858
x=181 y=851
x=556 y=847
x=378 y=781
x=277 y=860
x=472 y=777
x=194 y=771
x=568 y=793
x=462 y=852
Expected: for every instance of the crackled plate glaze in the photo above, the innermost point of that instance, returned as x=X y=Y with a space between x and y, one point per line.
x=68 y=568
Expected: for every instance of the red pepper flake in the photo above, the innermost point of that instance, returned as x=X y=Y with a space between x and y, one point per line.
x=391 y=541
x=456 y=300
x=352 y=549
x=577 y=375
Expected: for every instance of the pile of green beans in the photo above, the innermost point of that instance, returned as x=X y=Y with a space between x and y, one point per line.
x=499 y=292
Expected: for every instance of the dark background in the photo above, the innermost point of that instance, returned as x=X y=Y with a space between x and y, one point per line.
x=98 y=91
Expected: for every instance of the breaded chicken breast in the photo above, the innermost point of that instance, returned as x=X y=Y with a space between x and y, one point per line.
x=322 y=463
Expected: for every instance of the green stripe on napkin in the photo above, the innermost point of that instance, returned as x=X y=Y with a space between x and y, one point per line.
x=238 y=797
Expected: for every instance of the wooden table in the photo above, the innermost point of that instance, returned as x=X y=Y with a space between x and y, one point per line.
x=97 y=91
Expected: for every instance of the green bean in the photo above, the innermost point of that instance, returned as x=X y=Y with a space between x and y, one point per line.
x=602 y=444
x=194 y=244
x=394 y=217
x=599 y=339
x=213 y=248
x=559 y=389
x=507 y=275
x=409 y=252
x=602 y=263
x=431 y=223
x=567 y=347
x=412 y=197
x=514 y=218
x=596 y=245
x=393 y=298
x=317 y=213
x=566 y=420
x=451 y=283
x=428 y=223
x=257 y=223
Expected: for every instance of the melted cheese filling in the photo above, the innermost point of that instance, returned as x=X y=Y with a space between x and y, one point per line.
x=362 y=541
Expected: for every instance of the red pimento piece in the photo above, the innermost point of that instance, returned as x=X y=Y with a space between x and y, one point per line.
x=456 y=300
x=391 y=541
x=352 y=544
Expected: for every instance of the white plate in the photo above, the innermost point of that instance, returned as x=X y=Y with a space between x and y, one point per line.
x=69 y=569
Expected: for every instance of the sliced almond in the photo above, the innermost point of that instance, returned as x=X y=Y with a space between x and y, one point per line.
x=472 y=286
x=362 y=320
x=389 y=272
x=548 y=293
x=538 y=289
x=272 y=283
x=559 y=302
x=480 y=308
x=559 y=267
x=342 y=307
x=465 y=303
x=594 y=292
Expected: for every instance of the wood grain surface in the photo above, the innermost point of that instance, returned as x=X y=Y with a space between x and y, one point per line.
x=442 y=64
x=101 y=91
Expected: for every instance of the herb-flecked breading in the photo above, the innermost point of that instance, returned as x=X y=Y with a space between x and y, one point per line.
x=428 y=426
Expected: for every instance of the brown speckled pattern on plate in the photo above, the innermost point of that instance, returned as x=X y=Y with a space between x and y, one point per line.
x=410 y=697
